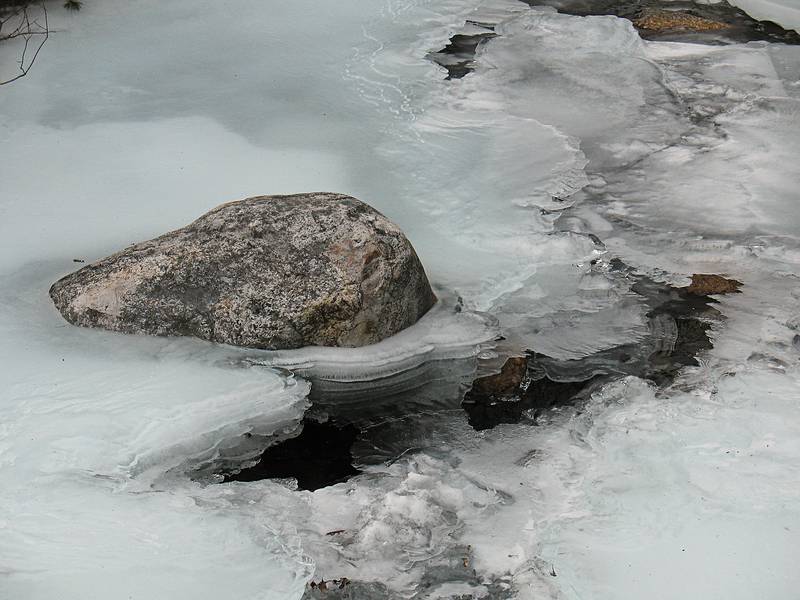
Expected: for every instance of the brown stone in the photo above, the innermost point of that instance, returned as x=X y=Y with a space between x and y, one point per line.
x=505 y=383
x=266 y=272
x=668 y=20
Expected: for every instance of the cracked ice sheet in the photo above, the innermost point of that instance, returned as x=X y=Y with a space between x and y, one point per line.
x=694 y=492
x=687 y=495
x=473 y=178
x=689 y=492
x=508 y=144
x=734 y=162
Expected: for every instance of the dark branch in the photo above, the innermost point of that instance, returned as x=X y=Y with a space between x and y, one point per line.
x=27 y=30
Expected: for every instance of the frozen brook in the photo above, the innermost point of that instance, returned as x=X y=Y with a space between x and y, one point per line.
x=559 y=177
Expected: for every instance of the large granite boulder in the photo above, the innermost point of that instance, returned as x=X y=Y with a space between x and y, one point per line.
x=265 y=272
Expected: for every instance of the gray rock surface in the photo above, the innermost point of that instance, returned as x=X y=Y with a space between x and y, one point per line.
x=265 y=272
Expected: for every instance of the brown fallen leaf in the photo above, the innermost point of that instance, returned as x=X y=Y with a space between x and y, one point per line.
x=706 y=284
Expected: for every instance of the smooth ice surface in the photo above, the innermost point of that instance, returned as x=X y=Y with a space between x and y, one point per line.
x=143 y=117
x=104 y=144
x=571 y=143
x=97 y=434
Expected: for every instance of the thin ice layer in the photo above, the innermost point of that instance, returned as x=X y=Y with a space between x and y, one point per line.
x=496 y=158
x=98 y=432
x=638 y=493
x=445 y=332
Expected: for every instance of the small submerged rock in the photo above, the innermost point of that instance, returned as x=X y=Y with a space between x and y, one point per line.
x=265 y=272
x=508 y=382
x=520 y=392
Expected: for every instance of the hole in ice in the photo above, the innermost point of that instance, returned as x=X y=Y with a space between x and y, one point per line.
x=320 y=456
x=457 y=56
x=353 y=424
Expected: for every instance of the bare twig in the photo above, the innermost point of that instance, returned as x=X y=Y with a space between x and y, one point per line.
x=26 y=29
